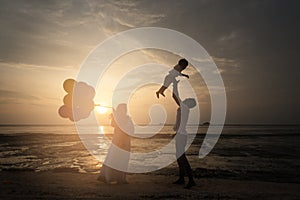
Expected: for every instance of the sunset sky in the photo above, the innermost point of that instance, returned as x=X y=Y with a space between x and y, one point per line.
x=254 y=44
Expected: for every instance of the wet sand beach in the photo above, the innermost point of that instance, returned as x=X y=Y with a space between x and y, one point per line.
x=67 y=185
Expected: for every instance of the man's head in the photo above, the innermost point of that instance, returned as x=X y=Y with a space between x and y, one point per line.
x=183 y=63
x=190 y=102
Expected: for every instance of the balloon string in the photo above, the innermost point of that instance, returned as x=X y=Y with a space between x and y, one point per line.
x=103 y=106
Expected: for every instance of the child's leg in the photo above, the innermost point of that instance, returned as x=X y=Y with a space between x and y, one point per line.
x=168 y=80
x=161 y=91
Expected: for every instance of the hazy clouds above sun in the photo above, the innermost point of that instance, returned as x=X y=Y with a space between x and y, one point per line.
x=254 y=44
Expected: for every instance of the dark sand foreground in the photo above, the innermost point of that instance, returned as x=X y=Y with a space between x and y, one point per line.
x=68 y=185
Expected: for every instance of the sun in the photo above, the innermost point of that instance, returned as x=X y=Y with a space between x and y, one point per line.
x=101 y=109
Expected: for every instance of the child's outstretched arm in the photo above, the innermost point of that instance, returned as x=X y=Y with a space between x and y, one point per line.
x=185 y=75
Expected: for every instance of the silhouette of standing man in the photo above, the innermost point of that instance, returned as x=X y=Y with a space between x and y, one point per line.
x=181 y=136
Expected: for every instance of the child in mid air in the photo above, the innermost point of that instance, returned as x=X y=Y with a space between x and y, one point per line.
x=170 y=78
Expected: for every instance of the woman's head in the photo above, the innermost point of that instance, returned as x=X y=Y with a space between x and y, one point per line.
x=190 y=102
x=122 y=109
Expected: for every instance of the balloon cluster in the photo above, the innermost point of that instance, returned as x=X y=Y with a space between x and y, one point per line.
x=78 y=103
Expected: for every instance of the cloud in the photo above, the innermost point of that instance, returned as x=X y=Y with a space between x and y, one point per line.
x=63 y=32
x=35 y=67
x=227 y=64
x=15 y=97
x=116 y=16
x=254 y=43
x=232 y=35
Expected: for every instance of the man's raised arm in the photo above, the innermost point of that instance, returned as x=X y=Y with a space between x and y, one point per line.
x=176 y=94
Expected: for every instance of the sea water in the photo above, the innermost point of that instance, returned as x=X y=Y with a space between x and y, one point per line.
x=270 y=152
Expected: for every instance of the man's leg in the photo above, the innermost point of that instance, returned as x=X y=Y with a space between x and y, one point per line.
x=189 y=171
x=180 y=147
x=187 y=166
x=180 y=180
x=181 y=141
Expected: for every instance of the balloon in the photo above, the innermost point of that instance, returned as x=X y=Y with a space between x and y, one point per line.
x=68 y=100
x=78 y=103
x=91 y=91
x=69 y=85
x=79 y=100
x=85 y=114
x=64 y=111
x=83 y=90
x=71 y=118
x=80 y=114
x=87 y=107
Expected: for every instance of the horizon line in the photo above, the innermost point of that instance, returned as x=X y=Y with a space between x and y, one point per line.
x=167 y=124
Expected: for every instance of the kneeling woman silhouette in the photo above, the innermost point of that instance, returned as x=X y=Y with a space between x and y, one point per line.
x=119 y=151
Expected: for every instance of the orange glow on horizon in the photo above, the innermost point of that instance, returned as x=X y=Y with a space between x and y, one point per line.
x=101 y=109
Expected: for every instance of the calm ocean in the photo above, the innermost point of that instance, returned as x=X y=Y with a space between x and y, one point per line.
x=267 y=152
